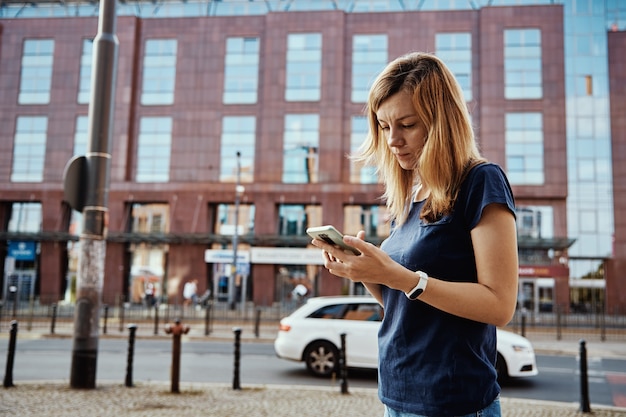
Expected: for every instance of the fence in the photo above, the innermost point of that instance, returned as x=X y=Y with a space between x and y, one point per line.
x=590 y=326
x=59 y=318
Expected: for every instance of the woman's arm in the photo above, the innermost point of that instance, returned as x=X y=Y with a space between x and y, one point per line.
x=491 y=300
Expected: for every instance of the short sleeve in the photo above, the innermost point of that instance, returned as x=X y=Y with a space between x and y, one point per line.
x=485 y=184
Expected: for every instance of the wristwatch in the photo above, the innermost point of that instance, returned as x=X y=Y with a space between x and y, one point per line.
x=420 y=287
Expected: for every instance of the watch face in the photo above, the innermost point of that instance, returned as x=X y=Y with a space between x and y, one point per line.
x=416 y=293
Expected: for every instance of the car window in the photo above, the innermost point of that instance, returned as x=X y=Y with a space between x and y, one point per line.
x=363 y=312
x=333 y=311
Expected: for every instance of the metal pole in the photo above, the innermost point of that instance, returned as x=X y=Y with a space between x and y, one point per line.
x=584 y=382
x=233 y=274
x=237 y=359
x=132 y=329
x=343 y=368
x=93 y=238
x=8 y=375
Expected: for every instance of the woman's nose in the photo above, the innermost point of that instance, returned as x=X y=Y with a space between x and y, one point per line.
x=394 y=138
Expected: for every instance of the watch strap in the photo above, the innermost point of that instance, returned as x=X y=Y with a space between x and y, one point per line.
x=420 y=287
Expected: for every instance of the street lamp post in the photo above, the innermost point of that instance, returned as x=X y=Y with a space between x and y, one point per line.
x=233 y=274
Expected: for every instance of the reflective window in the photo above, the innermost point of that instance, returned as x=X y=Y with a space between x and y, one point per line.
x=524 y=148
x=29 y=149
x=304 y=67
x=25 y=218
x=86 y=59
x=536 y=222
x=300 y=148
x=369 y=57
x=371 y=218
x=225 y=219
x=148 y=259
x=238 y=135
x=154 y=149
x=159 y=72
x=80 y=135
x=360 y=174
x=36 y=71
x=293 y=219
x=522 y=64
x=455 y=49
x=241 y=71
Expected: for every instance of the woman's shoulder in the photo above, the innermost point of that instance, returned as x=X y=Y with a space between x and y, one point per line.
x=486 y=172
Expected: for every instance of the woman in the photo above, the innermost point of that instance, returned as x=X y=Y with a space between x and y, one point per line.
x=447 y=274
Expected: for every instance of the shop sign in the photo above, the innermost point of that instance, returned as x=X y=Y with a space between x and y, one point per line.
x=22 y=251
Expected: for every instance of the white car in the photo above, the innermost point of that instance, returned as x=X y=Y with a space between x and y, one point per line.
x=312 y=334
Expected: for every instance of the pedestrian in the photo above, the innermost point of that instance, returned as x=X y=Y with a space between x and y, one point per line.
x=447 y=274
x=190 y=292
x=150 y=294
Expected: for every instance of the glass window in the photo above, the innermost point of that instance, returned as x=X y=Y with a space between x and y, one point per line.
x=524 y=148
x=29 y=149
x=153 y=153
x=36 y=71
x=86 y=59
x=148 y=259
x=535 y=222
x=369 y=57
x=159 y=72
x=360 y=174
x=241 y=71
x=455 y=49
x=295 y=218
x=304 y=67
x=25 y=218
x=522 y=64
x=371 y=218
x=300 y=148
x=225 y=219
x=238 y=135
x=81 y=139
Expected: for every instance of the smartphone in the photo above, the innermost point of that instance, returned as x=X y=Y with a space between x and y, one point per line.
x=330 y=235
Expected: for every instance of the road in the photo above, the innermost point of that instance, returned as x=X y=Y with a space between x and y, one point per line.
x=202 y=361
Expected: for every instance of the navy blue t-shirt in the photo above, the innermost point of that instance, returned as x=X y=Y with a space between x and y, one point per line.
x=432 y=362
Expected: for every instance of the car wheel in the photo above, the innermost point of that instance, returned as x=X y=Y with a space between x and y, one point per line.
x=321 y=358
x=501 y=368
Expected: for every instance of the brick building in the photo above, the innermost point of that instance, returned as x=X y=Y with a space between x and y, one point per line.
x=223 y=101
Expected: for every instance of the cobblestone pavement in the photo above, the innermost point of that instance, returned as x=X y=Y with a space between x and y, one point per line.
x=30 y=399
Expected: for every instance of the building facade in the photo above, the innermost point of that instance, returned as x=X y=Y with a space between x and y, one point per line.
x=233 y=121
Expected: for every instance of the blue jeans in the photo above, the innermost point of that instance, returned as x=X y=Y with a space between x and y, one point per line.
x=492 y=410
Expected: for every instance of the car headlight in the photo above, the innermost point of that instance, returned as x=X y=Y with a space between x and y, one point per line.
x=521 y=348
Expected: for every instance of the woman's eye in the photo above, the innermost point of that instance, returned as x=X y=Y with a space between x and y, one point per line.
x=408 y=126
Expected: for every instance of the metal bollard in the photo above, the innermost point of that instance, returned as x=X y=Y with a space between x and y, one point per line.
x=106 y=318
x=131 y=352
x=54 y=318
x=207 y=319
x=8 y=375
x=177 y=330
x=121 y=317
x=523 y=323
x=584 y=381
x=343 y=368
x=156 y=319
x=257 y=323
x=236 y=381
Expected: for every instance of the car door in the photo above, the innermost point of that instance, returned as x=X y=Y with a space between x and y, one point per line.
x=360 y=322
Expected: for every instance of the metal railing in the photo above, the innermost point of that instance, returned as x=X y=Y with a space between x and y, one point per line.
x=59 y=318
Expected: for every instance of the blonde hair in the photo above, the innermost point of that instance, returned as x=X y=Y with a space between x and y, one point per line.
x=450 y=149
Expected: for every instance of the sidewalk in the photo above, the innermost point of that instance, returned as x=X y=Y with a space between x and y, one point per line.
x=155 y=400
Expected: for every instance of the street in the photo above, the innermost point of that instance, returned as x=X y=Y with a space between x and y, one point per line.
x=211 y=361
